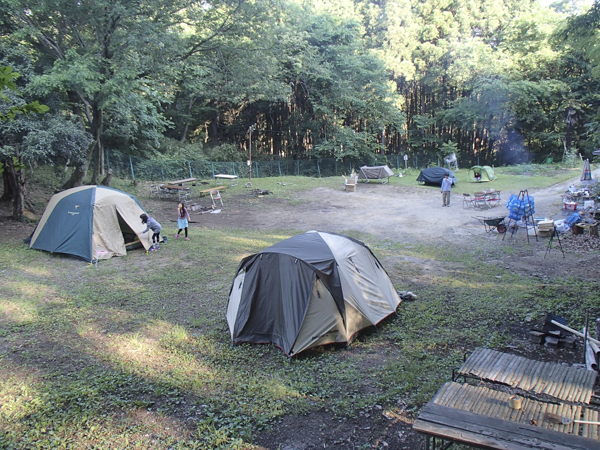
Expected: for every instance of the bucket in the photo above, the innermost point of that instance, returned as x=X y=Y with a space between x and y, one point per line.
x=570 y=206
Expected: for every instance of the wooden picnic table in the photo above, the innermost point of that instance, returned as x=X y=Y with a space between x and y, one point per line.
x=481 y=414
x=185 y=180
x=481 y=417
x=224 y=176
x=183 y=192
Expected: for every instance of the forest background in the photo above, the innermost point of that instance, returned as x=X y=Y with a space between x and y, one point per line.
x=495 y=81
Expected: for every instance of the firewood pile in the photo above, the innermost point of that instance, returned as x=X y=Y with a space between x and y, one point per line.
x=580 y=243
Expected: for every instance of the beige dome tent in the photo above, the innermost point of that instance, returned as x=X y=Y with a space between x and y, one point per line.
x=91 y=223
x=312 y=289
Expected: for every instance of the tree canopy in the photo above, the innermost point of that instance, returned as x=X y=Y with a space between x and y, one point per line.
x=502 y=81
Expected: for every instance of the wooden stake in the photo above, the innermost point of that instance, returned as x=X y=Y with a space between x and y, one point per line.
x=575 y=332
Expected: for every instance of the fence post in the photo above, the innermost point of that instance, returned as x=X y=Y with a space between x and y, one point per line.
x=298 y=168
x=335 y=166
x=212 y=166
x=279 y=166
x=233 y=167
x=190 y=169
x=131 y=165
x=162 y=172
x=256 y=165
x=416 y=158
x=107 y=160
x=318 y=169
x=397 y=162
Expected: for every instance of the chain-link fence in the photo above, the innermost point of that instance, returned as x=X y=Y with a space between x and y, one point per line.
x=131 y=167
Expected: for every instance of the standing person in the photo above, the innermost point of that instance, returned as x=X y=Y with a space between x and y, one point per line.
x=152 y=224
x=182 y=220
x=446 y=188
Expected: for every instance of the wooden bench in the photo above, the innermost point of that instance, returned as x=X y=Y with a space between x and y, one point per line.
x=207 y=191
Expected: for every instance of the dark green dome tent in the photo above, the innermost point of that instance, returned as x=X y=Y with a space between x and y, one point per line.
x=485 y=172
x=433 y=176
x=313 y=289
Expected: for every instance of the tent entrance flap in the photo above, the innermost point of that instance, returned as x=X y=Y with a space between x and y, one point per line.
x=322 y=323
x=129 y=237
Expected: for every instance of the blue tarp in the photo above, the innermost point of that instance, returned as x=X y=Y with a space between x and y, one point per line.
x=518 y=207
x=573 y=219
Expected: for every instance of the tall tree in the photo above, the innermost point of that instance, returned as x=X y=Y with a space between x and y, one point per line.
x=116 y=61
x=12 y=110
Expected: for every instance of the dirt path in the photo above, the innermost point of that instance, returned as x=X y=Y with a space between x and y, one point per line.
x=394 y=211
x=403 y=214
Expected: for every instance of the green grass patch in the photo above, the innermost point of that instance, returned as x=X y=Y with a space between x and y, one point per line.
x=136 y=353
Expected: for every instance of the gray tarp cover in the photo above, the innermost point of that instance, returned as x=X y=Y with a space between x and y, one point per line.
x=434 y=175
x=375 y=172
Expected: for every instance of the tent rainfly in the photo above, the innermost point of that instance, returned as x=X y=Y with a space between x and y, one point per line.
x=91 y=223
x=482 y=173
x=313 y=289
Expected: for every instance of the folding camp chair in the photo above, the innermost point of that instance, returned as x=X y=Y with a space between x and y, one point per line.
x=480 y=201
x=467 y=201
x=215 y=195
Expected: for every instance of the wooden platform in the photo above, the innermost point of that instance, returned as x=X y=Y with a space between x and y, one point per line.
x=480 y=416
x=562 y=382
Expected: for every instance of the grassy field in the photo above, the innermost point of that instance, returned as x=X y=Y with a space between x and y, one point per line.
x=136 y=353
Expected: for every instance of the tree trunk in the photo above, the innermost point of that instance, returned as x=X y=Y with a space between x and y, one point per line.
x=214 y=130
x=98 y=152
x=9 y=181
x=19 y=200
x=187 y=122
x=14 y=176
x=108 y=178
x=77 y=177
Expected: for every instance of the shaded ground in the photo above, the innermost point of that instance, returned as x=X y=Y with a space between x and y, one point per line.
x=407 y=215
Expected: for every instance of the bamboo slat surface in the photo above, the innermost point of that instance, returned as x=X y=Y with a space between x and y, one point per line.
x=483 y=401
x=565 y=383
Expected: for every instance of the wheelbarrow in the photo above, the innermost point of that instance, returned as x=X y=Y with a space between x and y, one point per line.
x=492 y=223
